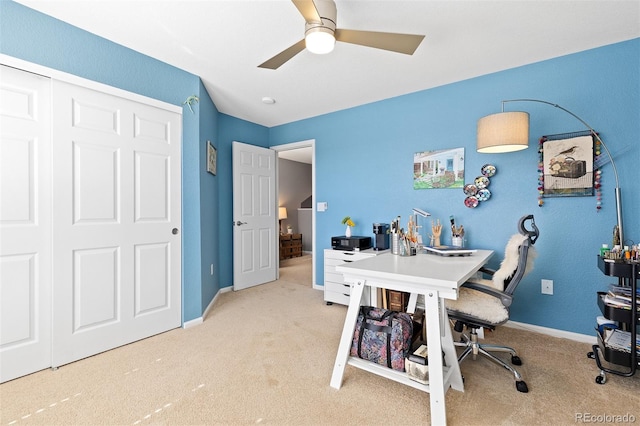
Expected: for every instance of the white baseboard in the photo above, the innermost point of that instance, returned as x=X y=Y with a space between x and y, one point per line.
x=583 y=338
x=199 y=320
x=192 y=323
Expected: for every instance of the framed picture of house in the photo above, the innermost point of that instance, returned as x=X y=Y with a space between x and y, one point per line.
x=212 y=157
x=567 y=164
x=438 y=169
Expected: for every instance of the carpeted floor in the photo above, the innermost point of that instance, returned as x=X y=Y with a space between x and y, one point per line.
x=265 y=356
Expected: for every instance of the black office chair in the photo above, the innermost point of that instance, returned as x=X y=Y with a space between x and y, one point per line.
x=485 y=302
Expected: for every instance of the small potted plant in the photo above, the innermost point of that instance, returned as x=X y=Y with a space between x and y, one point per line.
x=289 y=229
x=347 y=221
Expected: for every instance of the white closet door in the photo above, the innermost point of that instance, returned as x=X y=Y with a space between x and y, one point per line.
x=25 y=223
x=117 y=273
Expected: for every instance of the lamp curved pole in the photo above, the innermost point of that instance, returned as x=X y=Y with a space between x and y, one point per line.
x=595 y=134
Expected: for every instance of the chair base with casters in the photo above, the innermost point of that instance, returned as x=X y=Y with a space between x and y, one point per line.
x=473 y=347
x=484 y=303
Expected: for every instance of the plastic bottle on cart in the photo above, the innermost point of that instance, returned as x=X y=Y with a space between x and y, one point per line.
x=604 y=251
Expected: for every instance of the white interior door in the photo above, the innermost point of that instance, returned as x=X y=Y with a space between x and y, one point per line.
x=117 y=214
x=254 y=216
x=25 y=223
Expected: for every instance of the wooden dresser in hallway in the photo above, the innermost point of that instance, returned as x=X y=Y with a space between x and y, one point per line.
x=290 y=246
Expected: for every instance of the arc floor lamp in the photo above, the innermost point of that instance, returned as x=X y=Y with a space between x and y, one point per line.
x=509 y=131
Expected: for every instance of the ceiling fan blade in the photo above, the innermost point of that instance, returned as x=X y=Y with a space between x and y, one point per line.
x=395 y=42
x=283 y=56
x=308 y=10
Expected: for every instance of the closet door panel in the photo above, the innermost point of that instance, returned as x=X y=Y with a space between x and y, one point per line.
x=117 y=199
x=95 y=183
x=25 y=223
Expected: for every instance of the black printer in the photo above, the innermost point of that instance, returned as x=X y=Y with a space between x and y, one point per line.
x=353 y=243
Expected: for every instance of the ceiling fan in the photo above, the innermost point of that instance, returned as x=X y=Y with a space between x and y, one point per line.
x=321 y=34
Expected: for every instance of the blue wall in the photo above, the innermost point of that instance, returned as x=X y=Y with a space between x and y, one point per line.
x=209 y=202
x=364 y=159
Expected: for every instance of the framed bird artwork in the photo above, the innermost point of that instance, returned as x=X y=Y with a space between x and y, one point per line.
x=566 y=166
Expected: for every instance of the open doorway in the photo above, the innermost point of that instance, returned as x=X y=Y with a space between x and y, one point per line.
x=295 y=199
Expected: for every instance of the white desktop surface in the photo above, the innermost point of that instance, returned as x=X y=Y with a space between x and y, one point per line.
x=442 y=272
x=436 y=278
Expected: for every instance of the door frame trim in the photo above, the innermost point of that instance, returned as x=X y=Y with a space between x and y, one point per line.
x=287 y=147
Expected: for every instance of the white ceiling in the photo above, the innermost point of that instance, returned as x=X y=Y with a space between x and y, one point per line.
x=223 y=42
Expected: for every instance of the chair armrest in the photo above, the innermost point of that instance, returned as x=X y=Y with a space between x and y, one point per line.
x=487 y=271
x=505 y=298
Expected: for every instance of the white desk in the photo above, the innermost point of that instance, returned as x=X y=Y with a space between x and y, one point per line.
x=435 y=277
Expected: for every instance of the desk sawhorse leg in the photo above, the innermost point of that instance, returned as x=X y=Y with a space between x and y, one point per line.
x=439 y=338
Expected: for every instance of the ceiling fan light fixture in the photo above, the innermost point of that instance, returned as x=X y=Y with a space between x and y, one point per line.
x=321 y=34
x=319 y=40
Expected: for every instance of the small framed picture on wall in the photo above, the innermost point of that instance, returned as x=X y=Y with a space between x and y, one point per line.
x=212 y=157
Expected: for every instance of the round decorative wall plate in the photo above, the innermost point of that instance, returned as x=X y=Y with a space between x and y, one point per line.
x=470 y=189
x=471 y=202
x=488 y=170
x=484 y=194
x=482 y=182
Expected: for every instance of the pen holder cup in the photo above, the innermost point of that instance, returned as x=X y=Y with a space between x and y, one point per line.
x=457 y=242
x=406 y=250
x=395 y=246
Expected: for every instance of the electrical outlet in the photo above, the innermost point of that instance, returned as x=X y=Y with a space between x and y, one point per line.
x=212 y=269
x=547 y=286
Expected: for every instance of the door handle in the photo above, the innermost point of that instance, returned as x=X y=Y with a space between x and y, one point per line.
x=174 y=231
x=238 y=223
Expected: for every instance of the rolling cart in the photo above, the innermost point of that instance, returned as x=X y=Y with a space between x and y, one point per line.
x=627 y=320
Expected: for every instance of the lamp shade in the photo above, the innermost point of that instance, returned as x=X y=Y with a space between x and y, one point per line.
x=503 y=132
x=319 y=40
x=282 y=213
